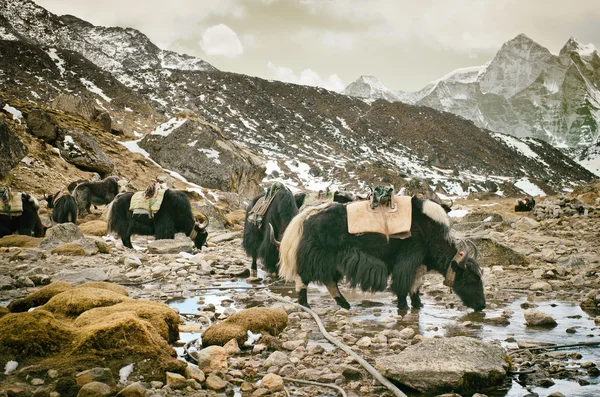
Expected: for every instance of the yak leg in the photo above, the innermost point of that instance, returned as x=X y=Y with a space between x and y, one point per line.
x=126 y=240
x=302 y=290
x=415 y=300
x=254 y=268
x=335 y=293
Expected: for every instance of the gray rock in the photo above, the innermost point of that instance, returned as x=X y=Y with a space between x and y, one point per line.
x=442 y=364
x=214 y=382
x=170 y=246
x=42 y=125
x=133 y=390
x=103 y=375
x=203 y=155
x=95 y=389
x=82 y=150
x=225 y=237
x=492 y=253
x=176 y=381
x=537 y=317
x=12 y=150
x=292 y=345
x=82 y=276
x=277 y=358
x=540 y=286
x=6 y=283
x=60 y=234
x=193 y=372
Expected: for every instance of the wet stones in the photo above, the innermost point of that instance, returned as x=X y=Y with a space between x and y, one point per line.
x=535 y=317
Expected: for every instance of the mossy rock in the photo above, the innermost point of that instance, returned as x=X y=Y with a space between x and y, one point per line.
x=69 y=250
x=37 y=333
x=73 y=302
x=18 y=240
x=94 y=228
x=162 y=318
x=3 y=311
x=104 y=285
x=40 y=297
x=256 y=319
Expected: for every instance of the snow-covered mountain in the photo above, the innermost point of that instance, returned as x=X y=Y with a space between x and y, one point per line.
x=309 y=137
x=525 y=91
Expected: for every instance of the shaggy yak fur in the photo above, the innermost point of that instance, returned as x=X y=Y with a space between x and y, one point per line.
x=524 y=205
x=316 y=247
x=256 y=241
x=27 y=224
x=65 y=208
x=174 y=216
x=96 y=193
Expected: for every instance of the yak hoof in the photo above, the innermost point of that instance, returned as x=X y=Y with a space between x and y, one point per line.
x=253 y=273
x=341 y=301
x=416 y=303
x=303 y=298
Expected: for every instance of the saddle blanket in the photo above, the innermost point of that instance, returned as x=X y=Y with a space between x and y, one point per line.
x=14 y=205
x=140 y=204
x=394 y=221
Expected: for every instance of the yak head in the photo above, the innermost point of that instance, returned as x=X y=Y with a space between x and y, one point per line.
x=467 y=277
x=199 y=234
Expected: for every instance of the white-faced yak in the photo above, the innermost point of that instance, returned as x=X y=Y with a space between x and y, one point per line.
x=174 y=216
x=26 y=222
x=317 y=247
x=96 y=193
x=64 y=207
x=277 y=209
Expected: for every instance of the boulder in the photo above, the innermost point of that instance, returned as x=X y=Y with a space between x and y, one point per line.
x=272 y=382
x=535 y=317
x=12 y=150
x=83 y=151
x=212 y=359
x=492 y=253
x=95 y=389
x=202 y=154
x=19 y=240
x=133 y=390
x=39 y=297
x=61 y=234
x=98 y=374
x=75 y=301
x=256 y=319
x=82 y=276
x=42 y=125
x=446 y=364
x=214 y=382
x=170 y=246
x=94 y=228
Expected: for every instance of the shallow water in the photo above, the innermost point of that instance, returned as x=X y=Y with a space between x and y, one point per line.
x=376 y=312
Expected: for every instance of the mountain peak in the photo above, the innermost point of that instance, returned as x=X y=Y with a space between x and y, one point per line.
x=370 y=88
x=572 y=45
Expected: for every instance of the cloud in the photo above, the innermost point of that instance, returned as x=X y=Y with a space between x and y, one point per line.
x=306 y=77
x=338 y=40
x=221 y=40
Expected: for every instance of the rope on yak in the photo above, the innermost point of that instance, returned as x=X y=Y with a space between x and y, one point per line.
x=380 y=378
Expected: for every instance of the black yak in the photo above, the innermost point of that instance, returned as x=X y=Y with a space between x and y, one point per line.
x=256 y=240
x=174 y=216
x=28 y=223
x=64 y=207
x=96 y=193
x=317 y=247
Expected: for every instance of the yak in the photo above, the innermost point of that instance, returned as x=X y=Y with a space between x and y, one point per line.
x=96 y=193
x=525 y=205
x=64 y=205
x=174 y=216
x=27 y=224
x=256 y=239
x=317 y=247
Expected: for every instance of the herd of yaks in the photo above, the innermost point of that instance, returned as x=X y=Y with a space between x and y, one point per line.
x=302 y=244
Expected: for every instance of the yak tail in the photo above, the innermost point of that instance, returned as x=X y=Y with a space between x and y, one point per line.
x=108 y=217
x=288 y=250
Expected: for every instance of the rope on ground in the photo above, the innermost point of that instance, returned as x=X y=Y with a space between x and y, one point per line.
x=188 y=353
x=345 y=348
x=554 y=347
x=310 y=382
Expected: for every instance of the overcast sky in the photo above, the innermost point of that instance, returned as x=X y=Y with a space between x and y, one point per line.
x=330 y=43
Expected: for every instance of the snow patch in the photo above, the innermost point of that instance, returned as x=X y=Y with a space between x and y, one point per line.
x=10 y=367
x=457 y=213
x=530 y=188
x=166 y=128
x=16 y=113
x=211 y=154
x=193 y=143
x=93 y=88
x=60 y=63
x=519 y=146
x=125 y=372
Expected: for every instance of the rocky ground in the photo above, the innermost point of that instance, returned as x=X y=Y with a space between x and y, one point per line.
x=534 y=263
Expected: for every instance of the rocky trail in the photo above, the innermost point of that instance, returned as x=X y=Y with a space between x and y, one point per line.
x=539 y=267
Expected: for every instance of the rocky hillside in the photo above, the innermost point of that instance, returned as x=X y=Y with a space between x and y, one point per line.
x=305 y=136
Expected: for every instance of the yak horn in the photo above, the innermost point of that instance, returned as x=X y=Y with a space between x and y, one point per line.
x=272 y=235
x=475 y=250
x=204 y=224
